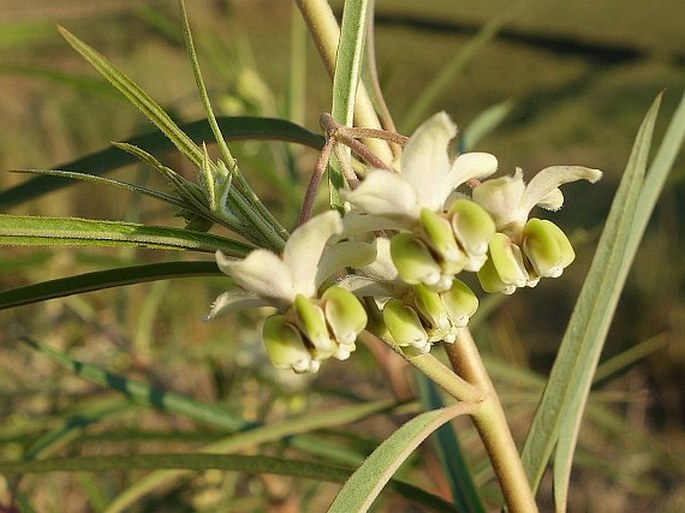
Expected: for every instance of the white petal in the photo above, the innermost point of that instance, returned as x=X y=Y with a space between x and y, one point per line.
x=501 y=197
x=384 y=193
x=344 y=254
x=541 y=188
x=234 y=300
x=260 y=272
x=472 y=165
x=356 y=223
x=425 y=160
x=303 y=250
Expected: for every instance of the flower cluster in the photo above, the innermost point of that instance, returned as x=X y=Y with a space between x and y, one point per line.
x=427 y=231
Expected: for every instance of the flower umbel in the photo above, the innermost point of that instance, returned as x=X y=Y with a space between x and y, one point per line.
x=523 y=250
x=420 y=200
x=307 y=329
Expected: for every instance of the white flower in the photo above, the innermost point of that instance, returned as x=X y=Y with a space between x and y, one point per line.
x=446 y=235
x=427 y=175
x=509 y=200
x=523 y=250
x=307 y=328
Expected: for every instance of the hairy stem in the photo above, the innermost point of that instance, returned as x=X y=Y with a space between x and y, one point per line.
x=326 y=33
x=492 y=426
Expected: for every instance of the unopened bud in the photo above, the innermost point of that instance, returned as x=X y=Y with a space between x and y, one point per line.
x=312 y=322
x=473 y=228
x=461 y=303
x=285 y=347
x=404 y=325
x=413 y=260
x=345 y=314
x=547 y=248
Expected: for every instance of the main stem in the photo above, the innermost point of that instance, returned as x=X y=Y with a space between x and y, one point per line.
x=492 y=426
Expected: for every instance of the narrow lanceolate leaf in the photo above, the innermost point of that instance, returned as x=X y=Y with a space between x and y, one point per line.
x=348 y=66
x=201 y=462
x=644 y=205
x=146 y=395
x=99 y=280
x=155 y=143
x=569 y=383
x=450 y=454
x=137 y=97
x=362 y=488
x=69 y=231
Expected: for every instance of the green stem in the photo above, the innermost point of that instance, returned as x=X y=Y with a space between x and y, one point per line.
x=492 y=426
x=326 y=33
x=455 y=386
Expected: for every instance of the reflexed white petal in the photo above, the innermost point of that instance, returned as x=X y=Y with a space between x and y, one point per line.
x=356 y=223
x=501 y=197
x=261 y=272
x=471 y=165
x=303 y=250
x=384 y=193
x=363 y=286
x=234 y=300
x=382 y=268
x=425 y=160
x=344 y=254
x=550 y=178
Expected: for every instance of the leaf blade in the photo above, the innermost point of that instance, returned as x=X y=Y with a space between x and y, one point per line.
x=571 y=375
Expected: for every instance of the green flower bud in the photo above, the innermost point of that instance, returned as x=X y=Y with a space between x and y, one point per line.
x=413 y=260
x=312 y=321
x=460 y=302
x=430 y=306
x=473 y=228
x=439 y=233
x=547 y=248
x=490 y=280
x=345 y=314
x=404 y=325
x=508 y=260
x=285 y=347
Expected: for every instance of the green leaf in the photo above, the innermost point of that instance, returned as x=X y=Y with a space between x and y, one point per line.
x=562 y=402
x=70 y=231
x=103 y=161
x=201 y=462
x=639 y=212
x=250 y=438
x=362 y=488
x=143 y=394
x=348 y=67
x=449 y=452
x=99 y=280
x=139 y=98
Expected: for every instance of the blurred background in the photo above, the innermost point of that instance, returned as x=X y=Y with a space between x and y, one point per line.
x=578 y=77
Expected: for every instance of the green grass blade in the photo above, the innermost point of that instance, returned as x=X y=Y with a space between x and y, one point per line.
x=571 y=375
x=362 y=488
x=348 y=68
x=109 y=278
x=234 y=129
x=145 y=395
x=445 y=79
x=70 y=231
x=201 y=462
x=450 y=454
x=250 y=438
